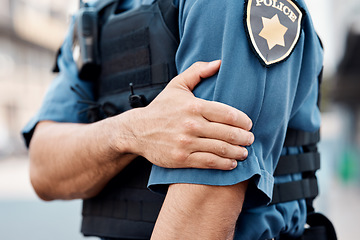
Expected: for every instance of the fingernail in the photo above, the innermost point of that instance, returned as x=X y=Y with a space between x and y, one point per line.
x=245 y=154
x=214 y=63
x=250 y=125
x=234 y=164
x=251 y=139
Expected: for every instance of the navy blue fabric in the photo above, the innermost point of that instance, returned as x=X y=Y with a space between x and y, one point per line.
x=275 y=98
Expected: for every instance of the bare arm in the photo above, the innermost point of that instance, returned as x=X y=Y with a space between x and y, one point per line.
x=70 y=160
x=200 y=212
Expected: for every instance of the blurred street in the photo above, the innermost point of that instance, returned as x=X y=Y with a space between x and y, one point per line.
x=24 y=216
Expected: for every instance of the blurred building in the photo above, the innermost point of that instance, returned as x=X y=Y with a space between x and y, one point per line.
x=346 y=93
x=30 y=33
x=347 y=86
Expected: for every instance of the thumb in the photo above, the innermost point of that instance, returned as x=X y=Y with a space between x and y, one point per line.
x=193 y=75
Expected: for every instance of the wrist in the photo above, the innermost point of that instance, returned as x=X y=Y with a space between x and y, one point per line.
x=122 y=133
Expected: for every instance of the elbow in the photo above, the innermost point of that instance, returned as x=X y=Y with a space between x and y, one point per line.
x=48 y=188
x=39 y=184
x=40 y=191
x=39 y=171
x=37 y=179
x=42 y=195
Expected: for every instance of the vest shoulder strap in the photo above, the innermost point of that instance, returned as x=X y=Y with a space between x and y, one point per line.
x=170 y=14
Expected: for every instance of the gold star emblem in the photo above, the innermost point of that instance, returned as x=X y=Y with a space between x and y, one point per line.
x=273 y=31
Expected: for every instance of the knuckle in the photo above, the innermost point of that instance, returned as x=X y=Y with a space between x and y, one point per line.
x=184 y=141
x=211 y=162
x=231 y=117
x=179 y=156
x=194 y=107
x=190 y=126
x=223 y=150
x=232 y=136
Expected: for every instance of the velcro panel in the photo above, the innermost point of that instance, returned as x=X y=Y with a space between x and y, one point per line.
x=129 y=60
x=136 y=39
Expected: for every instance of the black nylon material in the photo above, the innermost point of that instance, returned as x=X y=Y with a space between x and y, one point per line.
x=136 y=47
x=298 y=163
x=305 y=188
x=301 y=138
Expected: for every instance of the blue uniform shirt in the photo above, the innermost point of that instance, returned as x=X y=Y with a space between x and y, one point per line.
x=275 y=98
x=280 y=96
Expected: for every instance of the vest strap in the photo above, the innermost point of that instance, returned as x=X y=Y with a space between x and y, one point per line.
x=298 y=163
x=289 y=191
x=319 y=228
x=301 y=138
x=170 y=15
x=140 y=77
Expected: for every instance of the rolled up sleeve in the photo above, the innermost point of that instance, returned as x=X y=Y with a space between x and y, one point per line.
x=60 y=103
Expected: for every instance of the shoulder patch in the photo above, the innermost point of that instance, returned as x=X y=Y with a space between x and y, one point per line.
x=273 y=28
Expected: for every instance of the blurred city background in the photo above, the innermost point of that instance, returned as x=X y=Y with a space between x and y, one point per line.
x=32 y=30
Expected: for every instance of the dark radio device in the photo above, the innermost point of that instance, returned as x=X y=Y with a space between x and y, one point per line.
x=85 y=43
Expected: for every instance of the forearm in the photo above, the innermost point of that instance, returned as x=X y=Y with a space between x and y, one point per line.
x=69 y=161
x=176 y=130
x=200 y=212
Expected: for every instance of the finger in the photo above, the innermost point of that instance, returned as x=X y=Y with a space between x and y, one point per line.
x=222 y=113
x=206 y=160
x=226 y=133
x=220 y=148
x=193 y=75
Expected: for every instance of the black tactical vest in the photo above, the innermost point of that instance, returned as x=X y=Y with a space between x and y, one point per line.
x=137 y=51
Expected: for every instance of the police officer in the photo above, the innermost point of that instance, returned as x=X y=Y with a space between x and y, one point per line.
x=271 y=59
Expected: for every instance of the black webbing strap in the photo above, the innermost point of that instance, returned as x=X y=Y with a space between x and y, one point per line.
x=298 y=163
x=289 y=191
x=319 y=228
x=136 y=77
x=306 y=163
x=301 y=138
x=170 y=14
x=140 y=77
x=312 y=233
